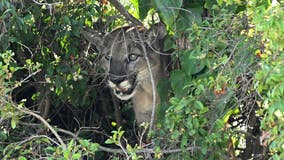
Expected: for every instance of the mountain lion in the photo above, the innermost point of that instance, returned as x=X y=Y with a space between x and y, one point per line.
x=126 y=51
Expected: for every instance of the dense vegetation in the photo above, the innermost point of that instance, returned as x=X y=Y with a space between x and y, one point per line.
x=223 y=99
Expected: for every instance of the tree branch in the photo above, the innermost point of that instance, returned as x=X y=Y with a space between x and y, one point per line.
x=48 y=4
x=35 y=137
x=125 y=13
x=26 y=111
x=144 y=150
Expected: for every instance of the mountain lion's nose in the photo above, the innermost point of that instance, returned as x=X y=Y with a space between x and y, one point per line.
x=116 y=79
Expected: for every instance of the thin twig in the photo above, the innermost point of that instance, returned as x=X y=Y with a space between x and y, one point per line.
x=176 y=8
x=124 y=150
x=30 y=51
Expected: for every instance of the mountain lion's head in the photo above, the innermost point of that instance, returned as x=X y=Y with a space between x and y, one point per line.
x=124 y=57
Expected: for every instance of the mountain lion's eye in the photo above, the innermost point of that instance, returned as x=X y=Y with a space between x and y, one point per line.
x=107 y=57
x=132 y=57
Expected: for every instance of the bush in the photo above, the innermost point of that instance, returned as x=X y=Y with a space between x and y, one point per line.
x=223 y=98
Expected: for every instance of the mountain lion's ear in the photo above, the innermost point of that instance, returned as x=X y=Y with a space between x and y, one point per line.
x=156 y=34
x=93 y=37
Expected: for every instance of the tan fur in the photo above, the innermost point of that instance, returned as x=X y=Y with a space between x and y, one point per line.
x=143 y=99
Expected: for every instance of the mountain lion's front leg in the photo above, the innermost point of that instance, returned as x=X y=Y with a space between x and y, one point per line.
x=142 y=104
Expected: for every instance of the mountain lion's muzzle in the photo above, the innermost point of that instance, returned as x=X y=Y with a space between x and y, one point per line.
x=123 y=86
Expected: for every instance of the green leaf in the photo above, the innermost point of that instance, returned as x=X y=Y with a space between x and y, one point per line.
x=76 y=30
x=7 y=12
x=219 y=124
x=20 y=22
x=230 y=113
x=204 y=149
x=76 y=156
x=174 y=100
x=190 y=15
x=14 y=122
x=109 y=141
x=178 y=80
x=94 y=147
x=183 y=103
x=49 y=150
x=84 y=143
x=198 y=105
x=144 y=7
x=3 y=136
x=66 y=20
x=168 y=10
x=169 y=44
x=70 y=145
x=184 y=140
x=135 y=4
x=46 y=140
x=141 y=7
x=21 y=158
x=66 y=154
x=13 y=39
x=191 y=62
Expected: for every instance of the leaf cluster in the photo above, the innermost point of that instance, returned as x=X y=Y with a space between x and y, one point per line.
x=223 y=98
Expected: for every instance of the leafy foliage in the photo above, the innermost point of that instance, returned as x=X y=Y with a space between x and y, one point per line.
x=269 y=78
x=223 y=98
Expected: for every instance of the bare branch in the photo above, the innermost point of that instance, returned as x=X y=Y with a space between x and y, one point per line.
x=35 y=137
x=24 y=80
x=125 y=13
x=26 y=111
x=144 y=150
x=48 y=4
x=30 y=51
x=149 y=150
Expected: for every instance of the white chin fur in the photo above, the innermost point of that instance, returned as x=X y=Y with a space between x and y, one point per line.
x=125 y=97
x=125 y=85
